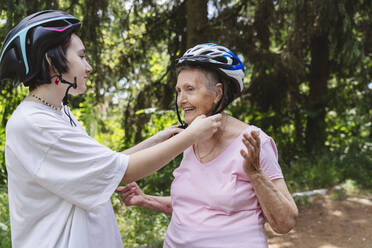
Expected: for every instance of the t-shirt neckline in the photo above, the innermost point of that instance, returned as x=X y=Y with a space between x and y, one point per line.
x=228 y=148
x=40 y=105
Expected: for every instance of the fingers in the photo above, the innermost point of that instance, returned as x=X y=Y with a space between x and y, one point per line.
x=244 y=154
x=119 y=189
x=253 y=139
x=253 y=144
x=256 y=136
x=170 y=132
x=128 y=200
x=248 y=144
x=128 y=187
x=217 y=117
x=125 y=195
x=199 y=117
x=252 y=156
x=217 y=121
x=175 y=130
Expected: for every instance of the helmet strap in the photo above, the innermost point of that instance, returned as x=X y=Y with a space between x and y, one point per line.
x=65 y=98
x=183 y=124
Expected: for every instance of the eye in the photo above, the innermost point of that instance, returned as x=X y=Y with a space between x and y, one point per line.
x=189 y=88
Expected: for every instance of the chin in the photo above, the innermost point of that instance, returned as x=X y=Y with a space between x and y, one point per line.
x=82 y=90
x=79 y=90
x=190 y=120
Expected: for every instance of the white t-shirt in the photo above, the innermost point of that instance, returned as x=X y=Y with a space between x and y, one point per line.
x=59 y=182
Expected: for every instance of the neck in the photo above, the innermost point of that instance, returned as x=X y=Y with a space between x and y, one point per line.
x=50 y=93
x=208 y=148
x=215 y=138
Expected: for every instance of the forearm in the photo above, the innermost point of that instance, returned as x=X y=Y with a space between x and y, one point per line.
x=278 y=207
x=142 y=145
x=159 y=203
x=149 y=160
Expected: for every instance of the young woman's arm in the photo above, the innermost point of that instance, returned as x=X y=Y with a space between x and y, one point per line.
x=132 y=195
x=149 y=160
x=154 y=140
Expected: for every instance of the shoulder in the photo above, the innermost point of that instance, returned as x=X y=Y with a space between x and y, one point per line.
x=264 y=137
x=235 y=126
x=242 y=127
x=30 y=117
x=20 y=119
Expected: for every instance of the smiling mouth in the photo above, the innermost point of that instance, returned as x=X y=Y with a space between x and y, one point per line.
x=188 y=109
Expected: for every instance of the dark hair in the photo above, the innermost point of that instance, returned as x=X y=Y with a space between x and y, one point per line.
x=58 y=59
x=214 y=77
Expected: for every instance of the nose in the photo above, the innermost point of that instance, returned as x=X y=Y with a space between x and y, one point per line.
x=88 y=68
x=181 y=98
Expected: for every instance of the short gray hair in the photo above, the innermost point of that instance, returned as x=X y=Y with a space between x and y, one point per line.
x=213 y=78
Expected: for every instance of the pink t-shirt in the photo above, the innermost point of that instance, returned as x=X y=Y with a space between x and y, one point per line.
x=214 y=203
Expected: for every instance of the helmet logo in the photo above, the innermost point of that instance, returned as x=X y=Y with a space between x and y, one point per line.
x=59 y=30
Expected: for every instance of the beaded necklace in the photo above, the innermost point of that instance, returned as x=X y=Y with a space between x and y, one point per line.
x=43 y=101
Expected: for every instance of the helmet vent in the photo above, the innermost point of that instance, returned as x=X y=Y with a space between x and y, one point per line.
x=221 y=59
x=58 y=23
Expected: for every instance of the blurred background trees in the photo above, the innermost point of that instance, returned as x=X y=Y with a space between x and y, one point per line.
x=308 y=83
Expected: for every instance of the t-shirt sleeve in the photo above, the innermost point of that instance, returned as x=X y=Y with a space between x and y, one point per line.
x=70 y=163
x=269 y=159
x=82 y=171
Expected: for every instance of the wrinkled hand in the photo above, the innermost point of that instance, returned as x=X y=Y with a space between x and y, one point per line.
x=251 y=164
x=131 y=194
x=204 y=127
x=166 y=134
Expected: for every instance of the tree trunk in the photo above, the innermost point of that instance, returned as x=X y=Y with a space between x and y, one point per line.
x=319 y=73
x=197 y=12
x=263 y=16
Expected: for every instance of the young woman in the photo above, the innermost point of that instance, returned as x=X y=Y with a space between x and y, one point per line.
x=229 y=183
x=59 y=179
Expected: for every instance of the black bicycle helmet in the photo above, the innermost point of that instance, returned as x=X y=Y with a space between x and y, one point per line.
x=26 y=44
x=221 y=59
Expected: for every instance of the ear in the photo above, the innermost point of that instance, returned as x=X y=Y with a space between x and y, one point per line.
x=51 y=66
x=219 y=93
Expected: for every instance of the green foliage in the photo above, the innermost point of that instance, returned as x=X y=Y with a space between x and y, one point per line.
x=5 y=239
x=133 y=45
x=141 y=227
x=319 y=171
x=324 y=170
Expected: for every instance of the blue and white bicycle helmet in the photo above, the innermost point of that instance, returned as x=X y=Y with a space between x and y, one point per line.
x=217 y=57
x=26 y=44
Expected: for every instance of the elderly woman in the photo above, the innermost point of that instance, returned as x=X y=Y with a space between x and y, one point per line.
x=227 y=185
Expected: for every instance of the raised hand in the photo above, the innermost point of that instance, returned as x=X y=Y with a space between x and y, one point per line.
x=204 y=127
x=251 y=164
x=131 y=194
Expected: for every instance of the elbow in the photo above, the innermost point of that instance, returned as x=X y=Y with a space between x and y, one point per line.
x=131 y=174
x=169 y=210
x=127 y=179
x=285 y=225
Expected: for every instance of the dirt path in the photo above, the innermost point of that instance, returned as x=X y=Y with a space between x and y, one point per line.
x=329 y=223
